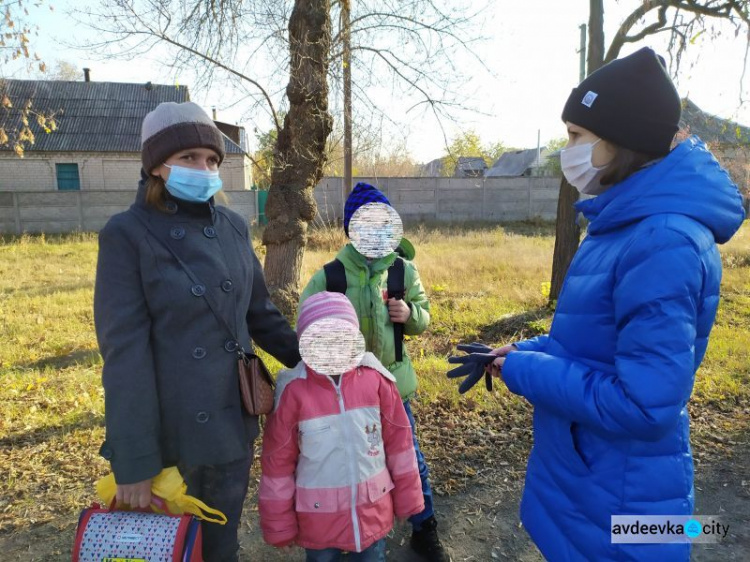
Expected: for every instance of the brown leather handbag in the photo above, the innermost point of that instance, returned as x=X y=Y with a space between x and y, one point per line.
x=256 y=385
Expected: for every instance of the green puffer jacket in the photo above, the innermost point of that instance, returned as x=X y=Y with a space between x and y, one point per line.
x=365 y=288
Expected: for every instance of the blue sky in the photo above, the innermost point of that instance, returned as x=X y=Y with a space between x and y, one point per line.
x=531 y=51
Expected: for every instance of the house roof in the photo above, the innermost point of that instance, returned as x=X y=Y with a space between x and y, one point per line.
x=711 y=128
x=512 y=164
x=471 y=163
x=90 y=116
x=433 y=167
x=469 y=166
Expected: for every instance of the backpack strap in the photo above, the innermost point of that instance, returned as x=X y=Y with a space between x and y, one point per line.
x=397 y=290
x=335 y=277
x=336 y=283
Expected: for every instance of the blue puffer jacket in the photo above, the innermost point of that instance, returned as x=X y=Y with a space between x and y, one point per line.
x=610 y=382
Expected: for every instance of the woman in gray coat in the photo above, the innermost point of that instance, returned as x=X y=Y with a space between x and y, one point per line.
x=169 y=337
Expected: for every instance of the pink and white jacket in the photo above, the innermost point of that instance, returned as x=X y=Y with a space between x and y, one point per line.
x=338 y=462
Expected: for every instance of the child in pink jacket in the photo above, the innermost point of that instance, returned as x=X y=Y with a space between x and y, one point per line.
x=338 y=460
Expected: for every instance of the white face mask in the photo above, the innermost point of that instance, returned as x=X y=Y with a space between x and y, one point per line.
x=580 y=171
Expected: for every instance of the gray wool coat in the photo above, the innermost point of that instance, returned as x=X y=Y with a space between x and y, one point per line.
x=170 y=366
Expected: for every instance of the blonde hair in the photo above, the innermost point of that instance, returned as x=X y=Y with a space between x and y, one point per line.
x=156 y=194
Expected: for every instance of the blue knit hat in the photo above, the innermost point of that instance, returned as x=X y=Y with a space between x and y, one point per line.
x=362 y=194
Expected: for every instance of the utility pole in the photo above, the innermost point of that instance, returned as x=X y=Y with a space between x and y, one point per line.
x=538 y=148
x=582 y=70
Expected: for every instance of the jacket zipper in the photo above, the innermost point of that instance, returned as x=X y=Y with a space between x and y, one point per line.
x=352 y=471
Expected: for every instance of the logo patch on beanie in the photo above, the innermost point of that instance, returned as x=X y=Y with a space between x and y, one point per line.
x=588 y=99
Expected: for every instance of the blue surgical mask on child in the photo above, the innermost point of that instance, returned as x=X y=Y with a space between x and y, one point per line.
x=197 y=186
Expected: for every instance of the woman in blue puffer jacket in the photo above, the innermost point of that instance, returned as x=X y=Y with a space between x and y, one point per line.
x=611 y=381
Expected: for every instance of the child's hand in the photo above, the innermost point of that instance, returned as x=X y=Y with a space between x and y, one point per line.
x=399 y=311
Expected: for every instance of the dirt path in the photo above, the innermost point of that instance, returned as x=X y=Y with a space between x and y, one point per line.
x=724 y=489
x=483 y=524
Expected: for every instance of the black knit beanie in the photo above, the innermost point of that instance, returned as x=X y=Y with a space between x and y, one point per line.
x=630 y=102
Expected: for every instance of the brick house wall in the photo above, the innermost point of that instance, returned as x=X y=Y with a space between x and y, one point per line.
x=99 y=171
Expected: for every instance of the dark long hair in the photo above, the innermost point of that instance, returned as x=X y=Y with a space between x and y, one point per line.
x=625 y=163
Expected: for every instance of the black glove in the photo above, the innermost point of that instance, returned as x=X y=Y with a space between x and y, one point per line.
x=472 y=367
x=475 y=347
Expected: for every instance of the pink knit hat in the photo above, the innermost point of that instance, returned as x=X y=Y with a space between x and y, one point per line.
x=325 y=305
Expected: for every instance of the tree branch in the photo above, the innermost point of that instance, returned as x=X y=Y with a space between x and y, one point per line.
x=161 y=34
x=722 y=10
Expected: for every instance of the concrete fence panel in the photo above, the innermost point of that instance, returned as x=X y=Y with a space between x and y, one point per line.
x=122 y=198
x=433 y=199
x=245 y=203
x=330 y=201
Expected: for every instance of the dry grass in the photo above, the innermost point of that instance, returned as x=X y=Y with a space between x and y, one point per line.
x=485 y=282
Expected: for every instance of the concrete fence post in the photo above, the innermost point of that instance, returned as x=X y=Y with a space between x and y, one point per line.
x=17 y=213
x=529 y=187
x=79 y=204
x=484 y=199
x=437 y=199
x=343 y=201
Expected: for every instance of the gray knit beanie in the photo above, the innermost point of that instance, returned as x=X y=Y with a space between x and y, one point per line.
x=173 y=127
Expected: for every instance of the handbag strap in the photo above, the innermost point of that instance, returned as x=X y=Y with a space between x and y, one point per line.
x=194 y=279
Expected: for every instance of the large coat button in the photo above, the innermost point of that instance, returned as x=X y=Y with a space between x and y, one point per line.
x=210 y=232
x=227 y=285
x=198 y=290
x=199 y=353
x=177 y=232
x=106 y=452
x=202 y=417
x=231 y=346
x=170 y=207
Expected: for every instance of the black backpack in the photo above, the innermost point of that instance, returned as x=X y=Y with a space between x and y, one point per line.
x=336 y=283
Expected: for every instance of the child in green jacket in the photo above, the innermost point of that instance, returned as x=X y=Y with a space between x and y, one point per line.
x=374 y=228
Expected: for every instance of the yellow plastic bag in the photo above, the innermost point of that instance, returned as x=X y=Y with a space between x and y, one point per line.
x=169 y=486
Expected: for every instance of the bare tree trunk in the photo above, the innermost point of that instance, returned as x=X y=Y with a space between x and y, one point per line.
x=567 y=237
x=300 y=151
x=567 y=231
x=347 y=62
x=595 y=57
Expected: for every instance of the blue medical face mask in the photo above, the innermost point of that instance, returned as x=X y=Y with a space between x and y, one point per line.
x=188 y=184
